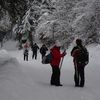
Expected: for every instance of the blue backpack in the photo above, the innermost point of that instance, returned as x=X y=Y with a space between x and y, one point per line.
x=47 y=59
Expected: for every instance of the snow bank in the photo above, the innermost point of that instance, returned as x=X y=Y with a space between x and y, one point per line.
x=6 y=58
x=10 y=45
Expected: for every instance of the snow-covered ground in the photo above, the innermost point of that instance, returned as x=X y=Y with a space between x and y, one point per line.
x=22 y=80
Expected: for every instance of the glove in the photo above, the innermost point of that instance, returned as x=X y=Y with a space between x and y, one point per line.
x=64 y=53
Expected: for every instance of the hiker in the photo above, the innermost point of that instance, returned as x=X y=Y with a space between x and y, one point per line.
x=35 y=48
x=57 y=55
x=26 y=51
x=43 y=50
x=80 y=58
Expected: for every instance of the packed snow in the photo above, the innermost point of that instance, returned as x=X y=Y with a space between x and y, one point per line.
x=30 y=80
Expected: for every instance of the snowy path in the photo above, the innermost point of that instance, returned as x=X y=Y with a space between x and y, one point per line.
x=30 y=81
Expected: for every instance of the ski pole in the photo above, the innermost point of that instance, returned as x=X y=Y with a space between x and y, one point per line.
x=62 y=61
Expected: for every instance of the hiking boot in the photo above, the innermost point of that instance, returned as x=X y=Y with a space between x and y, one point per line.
x=76 y=85
x=52 y=84
x=58 y=85
x=81 y=86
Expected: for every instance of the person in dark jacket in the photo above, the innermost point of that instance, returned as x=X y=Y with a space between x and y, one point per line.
x=35 y=48
x=80 y=58
x=43 y=50
x=56 y=54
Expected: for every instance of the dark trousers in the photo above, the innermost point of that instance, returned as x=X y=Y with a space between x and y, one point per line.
x=34 y=55
x=55 y=78
x=79 y=77
x=43 y=54
x=26 y=57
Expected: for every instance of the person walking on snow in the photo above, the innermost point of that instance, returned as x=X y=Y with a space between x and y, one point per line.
x=26 y=51
x=80 y=58
x=56 y=54
x=35 y=48
x=43 y=50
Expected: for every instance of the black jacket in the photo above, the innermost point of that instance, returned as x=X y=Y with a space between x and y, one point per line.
x=35 y=48
x=83 y=56
x=43 y=50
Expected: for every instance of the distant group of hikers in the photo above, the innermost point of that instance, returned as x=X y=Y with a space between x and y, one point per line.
x=80 y=59
x=35 y=49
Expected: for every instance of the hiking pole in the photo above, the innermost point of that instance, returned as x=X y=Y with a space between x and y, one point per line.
x=62 y=61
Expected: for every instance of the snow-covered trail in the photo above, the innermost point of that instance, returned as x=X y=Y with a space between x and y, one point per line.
x=30 y=80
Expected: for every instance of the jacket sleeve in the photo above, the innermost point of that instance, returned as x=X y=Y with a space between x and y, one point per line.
x=37 y=47
x=63 y=54
x=46 y=49
x=41 y=50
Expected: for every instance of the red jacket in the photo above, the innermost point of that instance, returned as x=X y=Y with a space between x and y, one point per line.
x=56 y=56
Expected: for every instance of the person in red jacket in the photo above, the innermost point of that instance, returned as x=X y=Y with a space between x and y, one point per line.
x=56 y=54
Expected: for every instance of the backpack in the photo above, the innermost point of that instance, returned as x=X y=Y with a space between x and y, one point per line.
x=83 y=56
x=47 y=59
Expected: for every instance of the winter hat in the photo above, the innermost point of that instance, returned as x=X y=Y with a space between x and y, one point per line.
x=57 y=43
